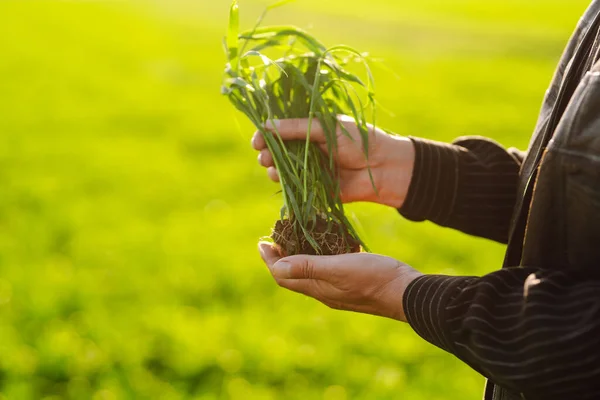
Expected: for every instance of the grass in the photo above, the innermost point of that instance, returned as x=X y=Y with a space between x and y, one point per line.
x=306 y=80
x=131 y=203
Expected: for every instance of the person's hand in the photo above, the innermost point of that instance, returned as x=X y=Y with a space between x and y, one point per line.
x=360 y=282
x=391 y=159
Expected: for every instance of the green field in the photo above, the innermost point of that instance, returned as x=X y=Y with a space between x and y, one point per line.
x=131 y=202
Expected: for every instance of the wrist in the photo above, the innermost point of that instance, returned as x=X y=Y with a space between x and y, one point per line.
x=393 y=305
x=397 y=171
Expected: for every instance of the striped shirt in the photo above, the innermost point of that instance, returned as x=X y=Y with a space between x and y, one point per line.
x=533 y=331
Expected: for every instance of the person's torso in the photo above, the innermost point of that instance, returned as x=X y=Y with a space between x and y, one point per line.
x=556 y=224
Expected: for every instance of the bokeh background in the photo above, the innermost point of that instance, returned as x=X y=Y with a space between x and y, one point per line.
x=131 y=202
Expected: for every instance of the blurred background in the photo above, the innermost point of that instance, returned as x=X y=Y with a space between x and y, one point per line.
x=131 y=202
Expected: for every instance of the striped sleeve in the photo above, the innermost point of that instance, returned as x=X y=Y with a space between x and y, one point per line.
x=533 y=331
x=470 y=185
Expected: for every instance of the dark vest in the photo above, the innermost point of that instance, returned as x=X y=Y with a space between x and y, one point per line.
x=556 y=221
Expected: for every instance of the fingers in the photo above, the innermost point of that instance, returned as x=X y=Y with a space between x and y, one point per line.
x=302 y=286
x=271 y=256
x=273 y=174
x=265 y=158
x=304 y=267
x=258 y=141
x=299 y=267
x=290 y=129
x=318 y=290
x=297 y=129
x=269 y=253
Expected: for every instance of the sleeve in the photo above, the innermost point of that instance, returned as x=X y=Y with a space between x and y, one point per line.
x=534 y=331
x=469 y=185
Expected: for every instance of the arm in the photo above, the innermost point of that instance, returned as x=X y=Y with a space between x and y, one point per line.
x=470 y=185
x=534 y=331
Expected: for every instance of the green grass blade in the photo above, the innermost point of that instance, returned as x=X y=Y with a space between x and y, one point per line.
x=308 y=81
x=232 y=34
x=275 y=32
x=266 y=60
x=279 y=4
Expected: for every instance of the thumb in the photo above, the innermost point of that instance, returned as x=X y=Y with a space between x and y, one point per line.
x=304 y=267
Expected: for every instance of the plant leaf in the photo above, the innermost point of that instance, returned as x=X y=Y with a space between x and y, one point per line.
x=233 y=33
x=279 y=4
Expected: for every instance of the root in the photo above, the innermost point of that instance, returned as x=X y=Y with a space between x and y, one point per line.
x=332 y=239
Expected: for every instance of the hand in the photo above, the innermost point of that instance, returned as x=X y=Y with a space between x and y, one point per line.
x=391 y=159
x=360 y=282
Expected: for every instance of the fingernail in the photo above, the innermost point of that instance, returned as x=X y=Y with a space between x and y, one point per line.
x=262 y=245
x=282 y=270
x=273 y=124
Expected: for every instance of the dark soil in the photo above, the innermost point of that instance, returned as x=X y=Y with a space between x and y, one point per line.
x=333 y=241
